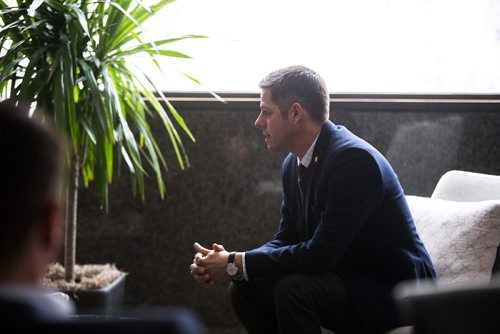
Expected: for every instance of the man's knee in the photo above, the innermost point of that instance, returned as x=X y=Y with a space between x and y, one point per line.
x=292 y=286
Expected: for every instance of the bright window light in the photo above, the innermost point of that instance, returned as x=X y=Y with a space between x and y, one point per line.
x=358 y=46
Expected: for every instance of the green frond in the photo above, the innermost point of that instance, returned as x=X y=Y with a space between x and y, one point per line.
x=70 y=58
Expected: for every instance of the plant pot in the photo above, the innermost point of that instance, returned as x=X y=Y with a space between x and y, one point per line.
x=108 y=300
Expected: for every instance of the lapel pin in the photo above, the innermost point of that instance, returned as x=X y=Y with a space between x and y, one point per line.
x=316 y=159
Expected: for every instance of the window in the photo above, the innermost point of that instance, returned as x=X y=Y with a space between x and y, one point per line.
x=358 y=46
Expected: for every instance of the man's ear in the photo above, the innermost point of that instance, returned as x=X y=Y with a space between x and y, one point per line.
x=51 y=227
x=297 y=112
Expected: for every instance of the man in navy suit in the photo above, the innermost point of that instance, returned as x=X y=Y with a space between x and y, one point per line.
x=346 y=236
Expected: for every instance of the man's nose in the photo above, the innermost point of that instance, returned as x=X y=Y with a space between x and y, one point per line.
x=258 y=122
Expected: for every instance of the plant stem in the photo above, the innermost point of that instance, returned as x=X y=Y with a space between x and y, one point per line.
x=71 y=215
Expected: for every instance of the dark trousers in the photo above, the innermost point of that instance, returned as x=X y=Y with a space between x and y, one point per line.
x=295 y=303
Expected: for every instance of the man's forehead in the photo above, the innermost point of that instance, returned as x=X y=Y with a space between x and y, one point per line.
x=264 y=103
x=265 y=97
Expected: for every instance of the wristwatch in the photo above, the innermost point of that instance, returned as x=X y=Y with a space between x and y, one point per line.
x=231 y=269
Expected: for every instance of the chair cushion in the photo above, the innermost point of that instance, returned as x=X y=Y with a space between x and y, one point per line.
x=461 y=237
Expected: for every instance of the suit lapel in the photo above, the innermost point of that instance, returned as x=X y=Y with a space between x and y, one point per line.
x=318 y=154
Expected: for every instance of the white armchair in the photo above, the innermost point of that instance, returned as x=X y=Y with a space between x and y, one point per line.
x=460 y=226
x=461 y=186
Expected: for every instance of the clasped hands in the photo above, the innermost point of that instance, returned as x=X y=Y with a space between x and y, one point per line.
x=209 y=265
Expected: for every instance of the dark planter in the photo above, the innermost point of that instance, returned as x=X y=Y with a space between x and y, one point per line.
x=108 y=300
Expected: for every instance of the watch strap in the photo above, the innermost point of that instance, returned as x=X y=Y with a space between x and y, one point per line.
x=231 y=257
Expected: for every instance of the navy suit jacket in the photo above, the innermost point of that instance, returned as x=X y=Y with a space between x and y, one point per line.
x=353 y=221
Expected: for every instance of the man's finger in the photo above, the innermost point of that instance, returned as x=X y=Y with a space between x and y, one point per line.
x=198 y=260
x=197 y=256
x=218 y=248
x=201 y=278
x=200 y=249
x=196 y=270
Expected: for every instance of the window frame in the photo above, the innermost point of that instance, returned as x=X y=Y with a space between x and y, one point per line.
x=348 y=102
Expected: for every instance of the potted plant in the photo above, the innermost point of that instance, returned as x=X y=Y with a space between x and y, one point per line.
x=69 y=59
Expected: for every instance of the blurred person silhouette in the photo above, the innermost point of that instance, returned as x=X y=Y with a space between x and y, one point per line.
x=31 y=212
x=30 y=217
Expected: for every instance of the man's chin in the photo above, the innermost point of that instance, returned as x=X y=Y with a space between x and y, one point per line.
x=271 y=148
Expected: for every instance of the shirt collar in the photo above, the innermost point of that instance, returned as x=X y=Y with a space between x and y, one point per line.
x=306 y=159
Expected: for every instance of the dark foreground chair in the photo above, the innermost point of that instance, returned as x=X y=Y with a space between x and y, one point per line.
x=165 y=321
x=464 y=310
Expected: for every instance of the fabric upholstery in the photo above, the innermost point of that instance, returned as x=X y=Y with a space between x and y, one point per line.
x=461 y=237
x=462 y=186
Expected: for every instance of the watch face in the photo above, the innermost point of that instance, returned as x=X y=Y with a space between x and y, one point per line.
x=231 y=269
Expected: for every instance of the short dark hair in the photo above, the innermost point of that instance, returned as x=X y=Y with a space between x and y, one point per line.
x=30 y=154
x=299 y=84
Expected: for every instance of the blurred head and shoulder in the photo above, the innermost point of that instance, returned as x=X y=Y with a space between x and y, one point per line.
x=31 y=167
x=31 y=156
x=30 y=208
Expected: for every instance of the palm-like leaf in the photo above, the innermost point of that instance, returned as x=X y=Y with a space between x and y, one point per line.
x=69 y=58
